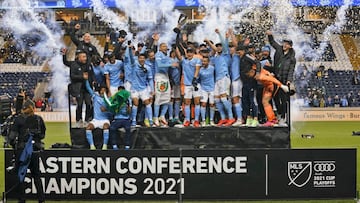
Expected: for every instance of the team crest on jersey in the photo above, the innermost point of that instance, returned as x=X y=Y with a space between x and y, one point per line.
x=162 y=86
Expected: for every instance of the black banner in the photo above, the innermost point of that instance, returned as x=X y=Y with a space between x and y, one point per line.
x=194 y=174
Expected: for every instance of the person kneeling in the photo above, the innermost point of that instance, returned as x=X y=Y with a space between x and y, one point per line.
x=120 y=105
x=101 y=115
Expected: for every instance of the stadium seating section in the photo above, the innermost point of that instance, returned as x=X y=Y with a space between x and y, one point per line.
x=340 y=59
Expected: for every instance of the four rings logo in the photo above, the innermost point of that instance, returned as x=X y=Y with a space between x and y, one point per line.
x=322 y=173
x=324 y=166
x=299 y=172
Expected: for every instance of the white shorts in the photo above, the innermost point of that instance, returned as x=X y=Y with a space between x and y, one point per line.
x=236 y=88
x=190 y=92
x=222 y=86
x=113 y=90
x=143 y=94
x=99 y=123
x=205 y=96
x=175 y=91
x=127 y=86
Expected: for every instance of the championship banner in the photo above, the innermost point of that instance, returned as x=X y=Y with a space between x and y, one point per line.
x=193 y=174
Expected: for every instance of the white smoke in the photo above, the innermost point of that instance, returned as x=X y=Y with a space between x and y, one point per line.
x=21 y=19
x=108 y=16
x=151 y=17
x=336 y=27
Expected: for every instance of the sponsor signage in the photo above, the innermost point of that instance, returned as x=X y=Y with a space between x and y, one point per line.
x=194 y=174
x=326 y=114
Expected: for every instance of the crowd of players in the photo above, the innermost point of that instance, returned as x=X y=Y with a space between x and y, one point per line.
x=150 y=84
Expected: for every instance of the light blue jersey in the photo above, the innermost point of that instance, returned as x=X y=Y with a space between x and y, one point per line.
x=222 y=61
x=152 y=66
x=189 y=68
x=128 y=61
x=163 y=63
x=207 y=78
x=235 y=67
x=123 y=112
x=99 y=74
x=98 y=102
x=114 y=71
x=141 y=79
x=175 y=73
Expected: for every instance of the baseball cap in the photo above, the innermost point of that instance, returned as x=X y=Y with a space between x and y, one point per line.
x=289 y=41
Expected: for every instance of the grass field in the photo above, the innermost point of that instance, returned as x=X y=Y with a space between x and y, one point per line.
x=327 y=135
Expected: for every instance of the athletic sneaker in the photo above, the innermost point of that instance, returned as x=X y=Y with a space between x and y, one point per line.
x=156 y=122
x=92 y=147
x=221 y=122
x=163 y=121
x=147 y=123
x=127 y=147
x=282 y=122
x=203 y=123
x=268 y=124
x=238 y=123
x=186 y=123
x=212 y=123
x=177 y=121
x=249 y=121
x=196 y=124
x=133 y=123
x=79 y=124
x=230 y=122
x=254 y=123
x=104 y=147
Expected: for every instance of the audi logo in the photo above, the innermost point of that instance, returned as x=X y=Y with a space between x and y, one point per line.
x=324 y=167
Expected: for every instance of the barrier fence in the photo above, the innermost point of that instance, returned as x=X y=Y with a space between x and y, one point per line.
x=302 y=114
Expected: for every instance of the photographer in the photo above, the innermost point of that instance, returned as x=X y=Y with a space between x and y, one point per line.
x=25 y=135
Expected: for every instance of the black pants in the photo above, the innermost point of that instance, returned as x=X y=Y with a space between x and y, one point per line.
x=281 y=100
x=35 y=174
x=120 y=123
x=84 y=96
x=250 y=107
x=259 y=95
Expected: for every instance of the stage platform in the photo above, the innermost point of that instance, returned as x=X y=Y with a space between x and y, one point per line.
x=195 y=138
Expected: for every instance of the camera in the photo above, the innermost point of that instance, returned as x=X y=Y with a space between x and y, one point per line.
x=129 y=42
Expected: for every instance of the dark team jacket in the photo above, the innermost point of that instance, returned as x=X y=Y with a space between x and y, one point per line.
x=87 y=47
x=247 y=63
x=284 y=64
x=25 y=125
x=77 y=70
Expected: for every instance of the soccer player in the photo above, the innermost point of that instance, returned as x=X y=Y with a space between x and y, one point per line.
x=141 y=78
x=221 y=62
x=236 y=84
x=162 y=84
x=114 y=74
x=175 y=78
x=98 y=69
x=101 y=116
x=250 y=106
x=207 y=87
x=191 y=67
x=120 y=105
